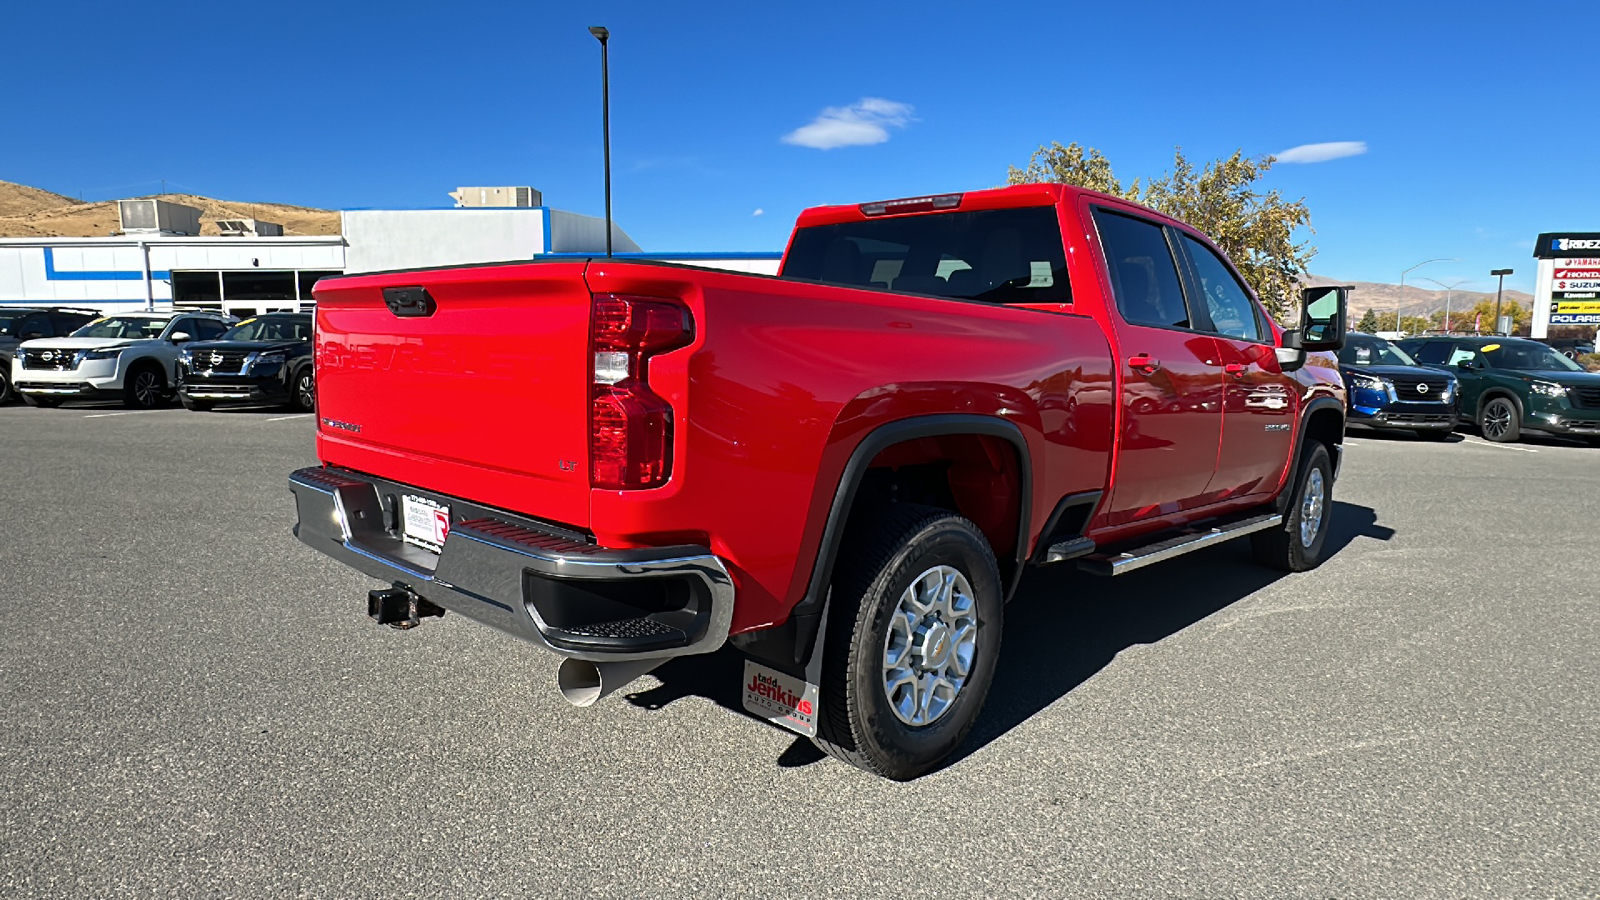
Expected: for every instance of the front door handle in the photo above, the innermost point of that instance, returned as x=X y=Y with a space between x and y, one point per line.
x=1234 y=369
x=1142 y=363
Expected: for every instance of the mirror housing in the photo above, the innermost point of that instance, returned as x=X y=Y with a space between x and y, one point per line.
x=1466 y=365
x=1289 y=352
x=179 y=337
x=1322 y=316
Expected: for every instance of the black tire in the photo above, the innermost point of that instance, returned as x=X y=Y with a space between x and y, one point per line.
x=883 y=558
x=145 y=387
x=1500 y=421
x=41 y=401
x=6 y=393
x=198 y=405
x=1286 y=549
x=303 y=391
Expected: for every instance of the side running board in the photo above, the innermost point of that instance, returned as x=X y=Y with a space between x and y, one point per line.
x=1185 y=542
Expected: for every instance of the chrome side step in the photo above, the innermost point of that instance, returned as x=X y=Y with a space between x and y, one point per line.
x=1188 y=542
x=1071 y=548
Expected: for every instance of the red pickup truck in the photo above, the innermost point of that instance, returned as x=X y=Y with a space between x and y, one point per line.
x=841 y=472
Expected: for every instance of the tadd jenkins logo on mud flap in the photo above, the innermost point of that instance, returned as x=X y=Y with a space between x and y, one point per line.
x=780 y=699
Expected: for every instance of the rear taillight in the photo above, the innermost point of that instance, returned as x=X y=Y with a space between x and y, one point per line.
x=630 y=428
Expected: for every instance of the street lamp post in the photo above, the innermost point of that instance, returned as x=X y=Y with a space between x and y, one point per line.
x=1401 y=301
x=1449 y=289
x=1498 y=291
x=602 y=34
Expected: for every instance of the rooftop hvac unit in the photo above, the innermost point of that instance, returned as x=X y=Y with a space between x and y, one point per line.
x=497 y=197
x=157 y=217
x=248 y=228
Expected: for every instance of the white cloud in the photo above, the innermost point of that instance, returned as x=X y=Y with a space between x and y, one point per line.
x=1315 y=153
x=862 y=123
x=759 y=212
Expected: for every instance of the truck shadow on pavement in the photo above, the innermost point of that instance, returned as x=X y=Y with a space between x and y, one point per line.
x=1061 y=628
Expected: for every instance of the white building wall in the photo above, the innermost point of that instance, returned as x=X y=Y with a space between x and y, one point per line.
x=381 y=239
x=572 y=233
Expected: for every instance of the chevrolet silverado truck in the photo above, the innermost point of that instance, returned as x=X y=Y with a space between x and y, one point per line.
x=841 y=472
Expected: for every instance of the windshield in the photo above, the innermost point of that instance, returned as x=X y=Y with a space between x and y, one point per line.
x=1365 y=350
x=1526 y=356
x=271 y=328
x=128 y=327
x=996 y=255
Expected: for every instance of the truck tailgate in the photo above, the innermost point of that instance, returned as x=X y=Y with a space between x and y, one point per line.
x=480 y=392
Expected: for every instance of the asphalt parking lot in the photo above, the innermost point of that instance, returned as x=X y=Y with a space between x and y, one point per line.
x=196 y=705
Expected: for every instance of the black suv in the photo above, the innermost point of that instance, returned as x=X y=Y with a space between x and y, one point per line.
x=1388 y=389
x=24 y=323
x=1511 y=385
x=264 y=359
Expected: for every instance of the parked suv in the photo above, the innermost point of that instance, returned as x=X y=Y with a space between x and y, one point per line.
x=1510 y=385
x=265 y=359
x=1571 y=348
x=1388 y=390
x=128 y=356
x=24 y=323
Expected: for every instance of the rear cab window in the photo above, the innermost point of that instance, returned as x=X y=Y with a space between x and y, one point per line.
x=990 y=256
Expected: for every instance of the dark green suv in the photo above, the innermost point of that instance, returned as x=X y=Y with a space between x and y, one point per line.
x=1511 y=385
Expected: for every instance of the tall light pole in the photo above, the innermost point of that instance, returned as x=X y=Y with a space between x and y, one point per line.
x=1502 y=273
x=602 y=34
x=1448 y=290
x=1401 y=302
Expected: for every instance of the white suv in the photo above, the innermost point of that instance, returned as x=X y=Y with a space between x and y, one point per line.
x=128 y=356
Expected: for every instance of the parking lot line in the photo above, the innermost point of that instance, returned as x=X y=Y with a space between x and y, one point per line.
x=131 y=412
x=287 y=418
x=1483 y=443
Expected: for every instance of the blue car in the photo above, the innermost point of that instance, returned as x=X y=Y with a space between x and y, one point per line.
x=1388 y=390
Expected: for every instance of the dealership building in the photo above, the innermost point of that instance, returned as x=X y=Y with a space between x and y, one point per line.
x=1567 y=285
x=159 y=260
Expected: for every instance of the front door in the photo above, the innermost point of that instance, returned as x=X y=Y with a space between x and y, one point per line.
x=1171 y=378
x=1261 y=402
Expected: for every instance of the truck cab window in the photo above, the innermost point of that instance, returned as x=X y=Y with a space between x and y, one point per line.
x=1143 y=274
x=1233 y=312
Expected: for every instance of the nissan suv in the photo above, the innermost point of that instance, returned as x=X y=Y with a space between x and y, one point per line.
x=23 y=323
x=264 y=359
x=1511 y=385
x=1388 y=390
x=128 y=356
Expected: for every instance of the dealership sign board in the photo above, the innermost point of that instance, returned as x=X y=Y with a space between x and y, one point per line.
x=1567 y=289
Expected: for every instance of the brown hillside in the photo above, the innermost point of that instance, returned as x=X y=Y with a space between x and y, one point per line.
x=1382 y=297
x=29 y=212
x=19 y=199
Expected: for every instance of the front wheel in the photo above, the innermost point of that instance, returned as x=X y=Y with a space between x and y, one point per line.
x=1500 y=422
x=303 y=397
x=145 y=388
x=912 y=641
x=6 y=393
x=1299 y=546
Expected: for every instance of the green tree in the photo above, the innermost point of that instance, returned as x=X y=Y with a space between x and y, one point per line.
x=1254 y=228
x=1369 y=322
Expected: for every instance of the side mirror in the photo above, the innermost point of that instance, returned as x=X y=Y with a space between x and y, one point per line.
x=179 y=337
x=1322 y=317
x=1466 y=365
x=1289 y=352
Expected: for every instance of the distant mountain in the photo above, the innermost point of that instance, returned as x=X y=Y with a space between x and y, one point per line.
x=1416 y=301
x=30 y=212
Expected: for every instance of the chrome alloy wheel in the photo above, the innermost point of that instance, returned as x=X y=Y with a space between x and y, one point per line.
x=1311 y=507
x=1497 y=419
x=147 y=388
x=927 y=654
x=304 y=393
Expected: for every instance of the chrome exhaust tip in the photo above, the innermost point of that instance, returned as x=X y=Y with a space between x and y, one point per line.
x=582 y=683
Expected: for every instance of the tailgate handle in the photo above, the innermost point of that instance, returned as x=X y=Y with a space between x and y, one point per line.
x=409 y=302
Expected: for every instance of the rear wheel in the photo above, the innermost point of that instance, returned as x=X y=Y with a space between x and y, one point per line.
x=912 y=641
x=1299 y=546
x=6 y=394
x=1500 y=421
x=146 y=387
x=41 y=401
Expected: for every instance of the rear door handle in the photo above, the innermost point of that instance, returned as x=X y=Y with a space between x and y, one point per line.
x=1144 y=364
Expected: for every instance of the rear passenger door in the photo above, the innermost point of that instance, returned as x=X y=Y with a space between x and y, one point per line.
x=1171 y=379
x=1260 y=402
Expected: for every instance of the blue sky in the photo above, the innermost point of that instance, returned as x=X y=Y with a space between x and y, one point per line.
x=1469 y=152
